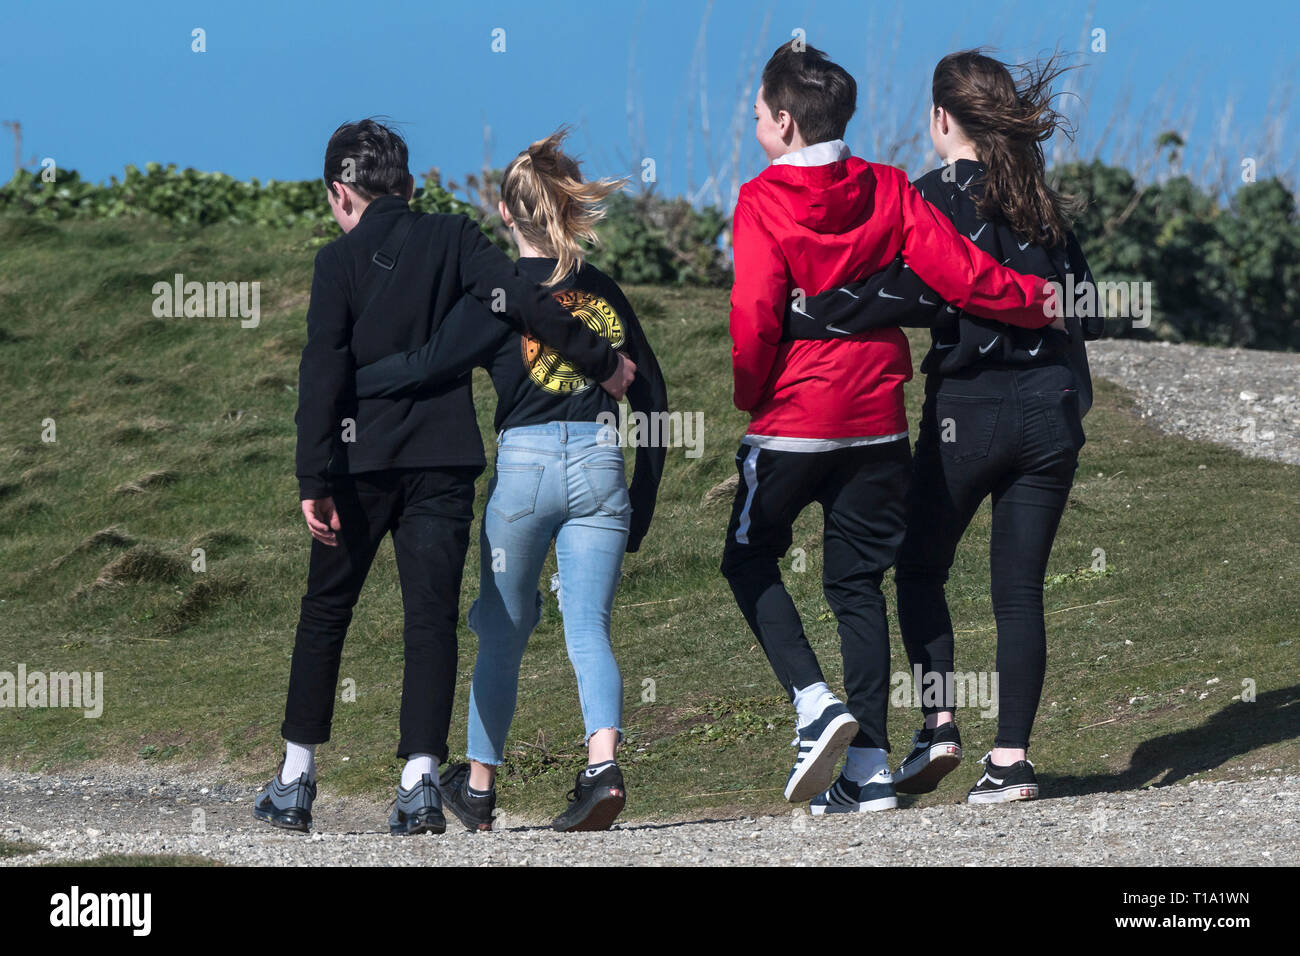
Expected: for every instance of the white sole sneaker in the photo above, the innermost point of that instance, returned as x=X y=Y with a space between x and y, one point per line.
x=870 y=806
x=1009 y=794
x=923 y=776
x=813 y=773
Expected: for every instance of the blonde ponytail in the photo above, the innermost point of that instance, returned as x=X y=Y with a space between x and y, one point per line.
x=553 y=209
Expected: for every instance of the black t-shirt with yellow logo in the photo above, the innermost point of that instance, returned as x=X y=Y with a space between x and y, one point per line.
x=534 y=383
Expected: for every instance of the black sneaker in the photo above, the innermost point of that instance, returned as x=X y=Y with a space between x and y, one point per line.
x=286 y=805
x=821 y=745
x=935 y=754
x=1004 y=784
x=845 y=796
x=418 y=810
x=594 y=802
x=474 y=812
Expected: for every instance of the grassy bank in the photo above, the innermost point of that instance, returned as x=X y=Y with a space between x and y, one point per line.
x=177 y=434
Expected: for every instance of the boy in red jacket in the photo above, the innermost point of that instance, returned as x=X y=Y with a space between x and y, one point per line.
x=827 y=419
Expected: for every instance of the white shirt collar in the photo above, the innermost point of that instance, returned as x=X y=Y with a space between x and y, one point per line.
x=818 y=154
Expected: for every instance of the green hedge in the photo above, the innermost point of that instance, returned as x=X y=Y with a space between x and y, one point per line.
x=1221 y=274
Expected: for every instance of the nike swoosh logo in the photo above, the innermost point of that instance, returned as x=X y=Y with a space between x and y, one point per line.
x=1023 y=246
x=962 y=186
x=838 y=331
x=846 y=292
x=936 y=345
x=925 y=301
x=950 y=308
x=976 y=235
x=1034 y=350
x=984 y=349
x=885 y=295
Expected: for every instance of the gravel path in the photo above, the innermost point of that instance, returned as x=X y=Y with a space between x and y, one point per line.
x=1249 y=400
x=114 y=810
x=1244 y=398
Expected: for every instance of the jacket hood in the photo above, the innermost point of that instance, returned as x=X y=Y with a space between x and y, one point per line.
x=828 y=199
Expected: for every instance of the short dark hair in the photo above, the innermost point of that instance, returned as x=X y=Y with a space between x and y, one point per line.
x=819 y=94
x=378 y=159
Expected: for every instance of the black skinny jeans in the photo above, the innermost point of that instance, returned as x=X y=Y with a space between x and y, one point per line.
x=861 y=492
x=1014 y=434
x=428 y=512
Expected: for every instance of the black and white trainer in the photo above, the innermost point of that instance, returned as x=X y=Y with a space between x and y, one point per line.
x=935 y=753
x=821 y=744
x=1004 y=784
x=845 y=796
x=594 y=802
x=473 y=811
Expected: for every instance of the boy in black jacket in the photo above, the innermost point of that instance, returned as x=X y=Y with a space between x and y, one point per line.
x=370 y=466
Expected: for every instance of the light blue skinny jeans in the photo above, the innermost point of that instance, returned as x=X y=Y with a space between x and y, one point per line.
x=562 y=481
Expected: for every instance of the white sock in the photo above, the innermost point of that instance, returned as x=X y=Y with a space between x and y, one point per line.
x=863 y=763
x=416 y=767
x=299 y=759
x=810 y=701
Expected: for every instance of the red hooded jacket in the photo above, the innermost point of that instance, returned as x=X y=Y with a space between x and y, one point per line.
x=813 y=227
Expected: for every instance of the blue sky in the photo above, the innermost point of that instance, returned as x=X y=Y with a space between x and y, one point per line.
x=99 y=86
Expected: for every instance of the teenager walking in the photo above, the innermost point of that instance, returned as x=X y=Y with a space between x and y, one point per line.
x=370 y=467
x=827 y=420
x=559 y=478
x=1003 y=408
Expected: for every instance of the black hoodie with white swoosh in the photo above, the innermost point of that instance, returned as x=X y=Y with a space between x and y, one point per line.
x=898 y=297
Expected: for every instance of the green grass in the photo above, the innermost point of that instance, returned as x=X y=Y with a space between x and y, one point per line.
x=13 y=848
x=175 y=434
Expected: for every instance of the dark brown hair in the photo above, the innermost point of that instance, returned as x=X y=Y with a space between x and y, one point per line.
x=370 y=157
x=1008 y=122
x=818 y=94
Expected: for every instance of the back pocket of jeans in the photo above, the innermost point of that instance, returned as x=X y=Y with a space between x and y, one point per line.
x=966 y=425
x=1061 y=409
x=608 y=486
x=514 y=494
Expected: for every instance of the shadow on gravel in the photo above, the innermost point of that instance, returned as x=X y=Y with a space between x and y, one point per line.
x=1237 y=729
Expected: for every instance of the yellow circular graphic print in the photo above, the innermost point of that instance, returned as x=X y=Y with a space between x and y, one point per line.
x=548 y=368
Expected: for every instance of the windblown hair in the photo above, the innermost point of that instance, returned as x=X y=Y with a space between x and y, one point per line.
x=1008 y=122
x=819 y=94
x=553 y=208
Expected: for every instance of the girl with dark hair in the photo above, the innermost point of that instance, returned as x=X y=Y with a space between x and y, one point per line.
x=1003 y=408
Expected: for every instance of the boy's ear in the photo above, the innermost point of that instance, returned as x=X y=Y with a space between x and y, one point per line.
x=789 y=128
x=410 y=187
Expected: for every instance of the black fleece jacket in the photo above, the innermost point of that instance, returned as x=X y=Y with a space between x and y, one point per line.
x=357 y=315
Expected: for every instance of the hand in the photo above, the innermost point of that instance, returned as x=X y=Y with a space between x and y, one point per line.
x=322 y=520
x=617 y=384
